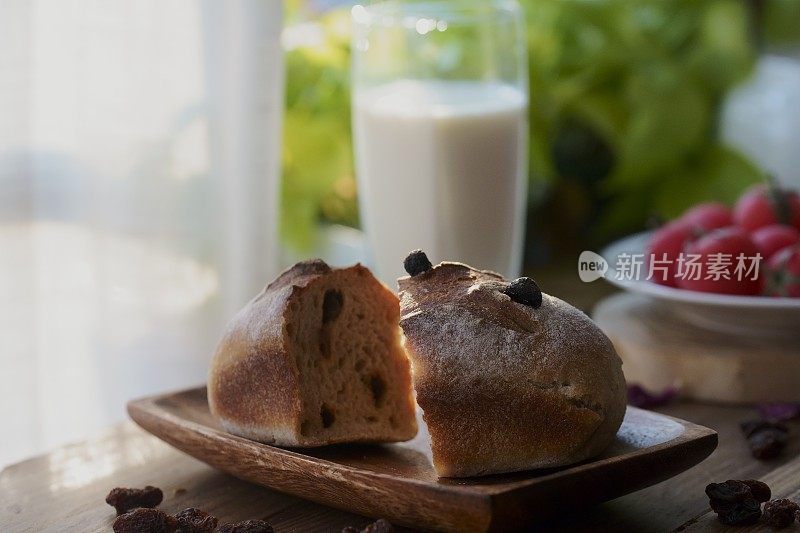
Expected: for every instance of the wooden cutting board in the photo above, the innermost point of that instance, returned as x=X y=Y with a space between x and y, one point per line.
x=397 y=481
x=659 y=349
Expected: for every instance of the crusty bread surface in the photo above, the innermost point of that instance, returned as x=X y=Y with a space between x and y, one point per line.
x=503 y=386
x=315 y=359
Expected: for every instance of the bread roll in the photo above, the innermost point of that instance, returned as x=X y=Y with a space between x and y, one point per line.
x=315 y=359
x=506 y=386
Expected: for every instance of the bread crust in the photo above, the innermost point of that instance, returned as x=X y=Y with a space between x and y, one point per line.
x=505 y=387
x=254 y=387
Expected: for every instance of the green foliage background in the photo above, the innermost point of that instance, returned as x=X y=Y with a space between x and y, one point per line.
x=625 y=98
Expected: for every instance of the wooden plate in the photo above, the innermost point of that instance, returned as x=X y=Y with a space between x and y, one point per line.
x=397 y=481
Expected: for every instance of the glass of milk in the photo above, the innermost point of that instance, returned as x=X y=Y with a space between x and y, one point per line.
x=440 y=100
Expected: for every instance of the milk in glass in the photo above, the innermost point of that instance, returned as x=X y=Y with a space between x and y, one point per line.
x=441 y=167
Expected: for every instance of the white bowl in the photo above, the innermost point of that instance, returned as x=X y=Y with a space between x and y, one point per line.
x=746 y=315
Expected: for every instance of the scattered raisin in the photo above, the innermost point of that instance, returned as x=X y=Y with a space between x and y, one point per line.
x=379 y=526
x=524 y=291
x=731 y=491
x=742 y=513
x=123 y=499
x=767 y=443
x=194 y=520
x=145 y=520
x=733 y=501
x=247 y=526
x=761 y=491
x=780 y=513
x=416 y=262
x=719 y=506
x=766 y=439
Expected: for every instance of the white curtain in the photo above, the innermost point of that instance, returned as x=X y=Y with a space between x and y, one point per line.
x=139 y=147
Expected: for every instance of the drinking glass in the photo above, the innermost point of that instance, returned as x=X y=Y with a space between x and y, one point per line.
x=440 y=99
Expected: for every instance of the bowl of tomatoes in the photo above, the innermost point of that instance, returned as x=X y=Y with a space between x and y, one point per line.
x=731 y=269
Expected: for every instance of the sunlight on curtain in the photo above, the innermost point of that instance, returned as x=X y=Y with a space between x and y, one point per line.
x=138 y=163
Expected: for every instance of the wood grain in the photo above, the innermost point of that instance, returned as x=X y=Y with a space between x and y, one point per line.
x=398 y=481
x=659 y=349
x=64 y=490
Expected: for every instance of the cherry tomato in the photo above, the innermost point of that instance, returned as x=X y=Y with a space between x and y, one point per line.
x=720 y=269
x=782 y=273
x=774 y=237
x=761 y=206
x=709 y=215
x=668 y=241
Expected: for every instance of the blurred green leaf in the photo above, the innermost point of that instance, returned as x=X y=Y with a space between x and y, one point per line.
x=781 y=22
x=661 y=131
x=719 y=173
x=318 y=179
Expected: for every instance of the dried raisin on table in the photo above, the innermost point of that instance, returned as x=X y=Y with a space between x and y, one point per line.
x=729 y=491
x=125 y=499
x=766 y=439
x=734 y=502
x=761 y=491
x=192 y=520
x=767 y=443
x=145 y=520
x=247 y=526
x=780 y=513
x=741 y=513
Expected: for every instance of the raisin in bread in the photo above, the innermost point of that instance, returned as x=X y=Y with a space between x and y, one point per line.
x=315 y=359
x=506 y=386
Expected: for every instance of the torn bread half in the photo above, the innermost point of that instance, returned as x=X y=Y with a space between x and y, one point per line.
x=315 y=359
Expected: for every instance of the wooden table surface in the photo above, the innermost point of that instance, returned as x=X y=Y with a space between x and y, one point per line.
x=65 y=490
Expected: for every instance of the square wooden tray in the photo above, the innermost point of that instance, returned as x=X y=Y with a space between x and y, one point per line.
x=397 y=481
